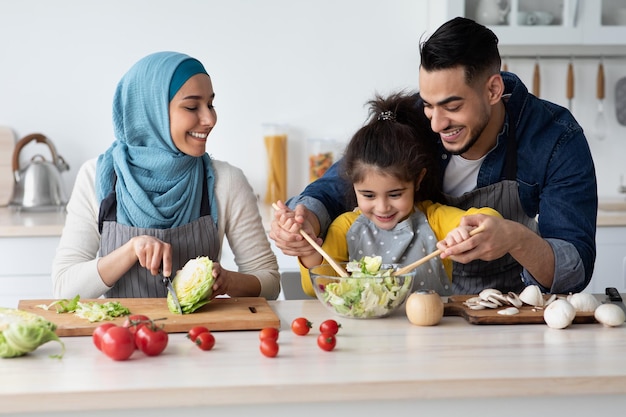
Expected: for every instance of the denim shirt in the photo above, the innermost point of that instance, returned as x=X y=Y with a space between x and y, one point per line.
x=555 y=175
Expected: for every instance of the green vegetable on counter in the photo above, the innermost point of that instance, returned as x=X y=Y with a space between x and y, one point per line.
x=193 y=285
x=22 y=332
x=93 y=311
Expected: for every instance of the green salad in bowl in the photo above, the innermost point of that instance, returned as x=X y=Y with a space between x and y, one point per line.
x=370 y=291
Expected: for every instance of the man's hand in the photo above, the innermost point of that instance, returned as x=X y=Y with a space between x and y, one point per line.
x=286 y=226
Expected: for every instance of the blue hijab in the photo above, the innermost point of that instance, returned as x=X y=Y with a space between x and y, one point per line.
x=156 y=185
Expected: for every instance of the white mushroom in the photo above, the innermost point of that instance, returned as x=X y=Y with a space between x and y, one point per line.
x=609 y=315
x=559 y=314
x=531 y=295
x=484 y=294
x=509 y=311
x=583 y=302
x=514 y=300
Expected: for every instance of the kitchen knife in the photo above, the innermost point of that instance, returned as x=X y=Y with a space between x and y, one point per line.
x=613 y=297
x=168 y=283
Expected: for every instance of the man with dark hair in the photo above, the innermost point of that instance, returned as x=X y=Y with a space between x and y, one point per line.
x=500 y=147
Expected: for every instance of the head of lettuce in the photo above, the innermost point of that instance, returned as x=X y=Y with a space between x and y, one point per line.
x=193 y=285
x=22 y=332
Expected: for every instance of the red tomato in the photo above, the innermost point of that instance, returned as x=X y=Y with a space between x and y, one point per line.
x=195 y=331
x=135 y=321
x=118 y=343
x=151 y=340
x=326 y=341
x=205 y=341
x=269 y=347
x=329 y=327
x=99 y=332
x=268 y=333
x=301 y=326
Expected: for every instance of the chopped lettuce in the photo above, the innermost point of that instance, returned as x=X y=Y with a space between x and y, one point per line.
x=368 y=292
x=92 y=310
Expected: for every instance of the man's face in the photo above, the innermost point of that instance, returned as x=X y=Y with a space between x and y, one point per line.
x=457 y=111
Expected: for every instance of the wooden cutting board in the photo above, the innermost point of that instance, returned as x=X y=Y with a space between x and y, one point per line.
x=7 y=181
x=527 y=314
x=244 y=313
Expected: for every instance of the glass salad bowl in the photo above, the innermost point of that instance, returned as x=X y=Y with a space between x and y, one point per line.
x=363 y=294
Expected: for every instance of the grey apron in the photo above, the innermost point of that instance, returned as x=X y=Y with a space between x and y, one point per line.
x=197 y=238
x=504 y=273
x=408 y=241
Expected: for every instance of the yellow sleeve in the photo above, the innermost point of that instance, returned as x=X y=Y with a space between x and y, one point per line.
x=443 y=219
x=335 y=245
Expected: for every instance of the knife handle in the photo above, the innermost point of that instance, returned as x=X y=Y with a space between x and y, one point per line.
x=613 y=294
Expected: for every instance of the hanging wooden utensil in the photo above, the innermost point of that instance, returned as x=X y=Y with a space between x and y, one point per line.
x=536 y=80
x=570 y=85
x=600 y=123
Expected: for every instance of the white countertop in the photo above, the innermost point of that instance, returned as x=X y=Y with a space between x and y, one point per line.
x=375 y=361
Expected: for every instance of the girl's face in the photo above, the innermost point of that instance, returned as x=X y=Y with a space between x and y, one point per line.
x=192 y=115
x=384 y=199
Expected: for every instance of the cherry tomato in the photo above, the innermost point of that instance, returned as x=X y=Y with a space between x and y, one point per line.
x=268 y=333
x=326 y=341
x=205 y=341
x=99 y=332
x=151 y=339
x=301 y=326
x=195 y=331
x=269 y=347
x=118 y=343
x=329 y=327
x=135 y=321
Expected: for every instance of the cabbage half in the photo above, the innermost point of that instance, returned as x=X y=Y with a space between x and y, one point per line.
x=22 y=332
x=193 y=285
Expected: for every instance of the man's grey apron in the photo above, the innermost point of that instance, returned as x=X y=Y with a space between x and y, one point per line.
x=504 y=273
x=409 y=240
x=198 y=238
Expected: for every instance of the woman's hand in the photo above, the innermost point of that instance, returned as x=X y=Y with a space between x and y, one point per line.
x=153 y=253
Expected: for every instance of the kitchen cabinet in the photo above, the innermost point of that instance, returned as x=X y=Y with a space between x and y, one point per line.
x=610 y=268
x=26 y=266
x=565 y=22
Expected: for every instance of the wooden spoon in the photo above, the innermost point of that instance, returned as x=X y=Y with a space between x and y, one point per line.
x=426 y=258
x=570 y=85
x=338 y=269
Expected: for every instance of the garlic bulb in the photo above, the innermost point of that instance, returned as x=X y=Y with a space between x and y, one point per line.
x=559 y=314
x=583 y=302
x=609 y=315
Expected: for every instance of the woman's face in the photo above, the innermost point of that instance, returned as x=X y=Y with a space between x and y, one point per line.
x=192 y=115
x=384 y=199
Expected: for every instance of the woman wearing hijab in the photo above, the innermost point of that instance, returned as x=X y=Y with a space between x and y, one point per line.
x=155 y=199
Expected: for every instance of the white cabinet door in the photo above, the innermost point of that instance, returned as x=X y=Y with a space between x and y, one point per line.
x=542 y=22
x=26 y=268
x=610 y=260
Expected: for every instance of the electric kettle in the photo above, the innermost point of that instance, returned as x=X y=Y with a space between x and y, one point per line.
x=38 y=185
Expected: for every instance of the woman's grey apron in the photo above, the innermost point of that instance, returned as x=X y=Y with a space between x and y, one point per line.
x=504 y=273
x=198 y=238
x=408 y=241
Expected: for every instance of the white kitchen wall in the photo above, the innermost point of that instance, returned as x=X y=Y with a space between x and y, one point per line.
x=310 y=65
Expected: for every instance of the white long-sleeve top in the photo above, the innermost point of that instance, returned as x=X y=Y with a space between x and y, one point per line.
x=74 y=268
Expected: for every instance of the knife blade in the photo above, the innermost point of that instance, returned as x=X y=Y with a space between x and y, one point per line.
x=614 y=297
x=167 y=281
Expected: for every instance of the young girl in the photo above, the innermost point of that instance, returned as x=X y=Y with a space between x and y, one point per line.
x=392 y=165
